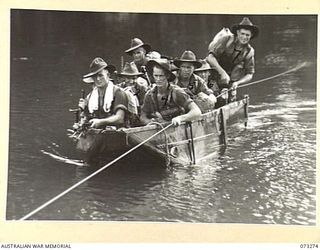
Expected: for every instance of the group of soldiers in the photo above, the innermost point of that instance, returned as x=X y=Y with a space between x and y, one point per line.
x=152 y=88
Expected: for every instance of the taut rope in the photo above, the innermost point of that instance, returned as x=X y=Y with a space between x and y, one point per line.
x=299 y=66
x=93 y=174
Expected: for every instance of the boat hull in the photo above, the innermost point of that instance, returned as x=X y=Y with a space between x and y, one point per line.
x=188 y=143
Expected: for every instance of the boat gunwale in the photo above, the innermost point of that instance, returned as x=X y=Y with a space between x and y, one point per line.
x=204 y=116
x=153 y=127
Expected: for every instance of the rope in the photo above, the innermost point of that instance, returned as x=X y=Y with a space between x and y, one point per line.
x=271 y=77
x=299 y=66
x=165 y=138
x=93 y=174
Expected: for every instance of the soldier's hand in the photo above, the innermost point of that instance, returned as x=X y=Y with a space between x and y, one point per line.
x=213 y=98
x=176 y=121
x=76 y=126
x=224 y=93
x=234 y=85
x=95 y=123
x=158 y=115
x=82 y=103
x=225 y=78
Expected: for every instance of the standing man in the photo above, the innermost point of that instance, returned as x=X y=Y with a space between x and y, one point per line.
x=165 y=101
x=232 y=55
x=106 y=104
x=193 y=85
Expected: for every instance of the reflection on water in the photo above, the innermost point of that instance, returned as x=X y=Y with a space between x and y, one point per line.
x=266 y=175
x=283 y=162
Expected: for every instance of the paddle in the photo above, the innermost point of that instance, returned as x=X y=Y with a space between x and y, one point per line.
x=93 y=174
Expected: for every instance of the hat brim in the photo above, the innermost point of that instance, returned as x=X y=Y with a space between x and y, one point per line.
x=133 y=74
x=174 y=69
x=253 y=28
x=88 y=80
x=178 y=62
x=88 y=77
x=153 y=63
x=146 y=46
x=202 y=69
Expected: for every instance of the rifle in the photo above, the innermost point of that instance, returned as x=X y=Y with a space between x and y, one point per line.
x=78 y=110
x=144 y=71
x=81 y=122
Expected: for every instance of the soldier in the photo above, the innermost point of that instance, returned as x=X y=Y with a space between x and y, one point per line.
x=232 y=55
x=165 y=101
x=133 y=81
x=194 y=85
x=106 y=104
x=208 y=74
x=138 y=51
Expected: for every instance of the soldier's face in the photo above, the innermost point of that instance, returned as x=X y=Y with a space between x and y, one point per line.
x=139 y=54
x=160 y=77
x=130 y=80
x=186 y=69
x=244 y=36
x=101 y=79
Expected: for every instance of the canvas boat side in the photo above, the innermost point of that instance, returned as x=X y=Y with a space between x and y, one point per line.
x=187 y=143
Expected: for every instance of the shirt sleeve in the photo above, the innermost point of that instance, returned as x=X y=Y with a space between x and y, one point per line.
x=142 y=90
x=203 y=87
x=181 y=98
x=249 y=63
x=147 y=106
x=120 y=101
x=218 y=46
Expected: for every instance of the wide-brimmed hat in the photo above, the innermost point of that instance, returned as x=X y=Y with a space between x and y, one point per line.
x=96 y=66
x=163 y=64
x=173 y=68
x=153 y=55
x=204 y=66
x=187 y=56
x=130 y=69
x=137 y=43
x=246 y=24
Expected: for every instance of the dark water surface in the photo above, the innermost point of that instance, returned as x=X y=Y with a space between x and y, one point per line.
x=267 y=174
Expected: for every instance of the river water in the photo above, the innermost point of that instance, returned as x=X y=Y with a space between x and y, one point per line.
x=266 y=175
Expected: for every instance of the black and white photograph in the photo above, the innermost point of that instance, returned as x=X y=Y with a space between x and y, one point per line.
x=162 y=117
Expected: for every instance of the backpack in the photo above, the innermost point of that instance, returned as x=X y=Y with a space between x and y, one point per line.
x=225 y=37
x=133 y=102
x=221 y=39
x=133 y=109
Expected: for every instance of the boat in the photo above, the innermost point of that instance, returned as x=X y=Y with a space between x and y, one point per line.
x=188 y=143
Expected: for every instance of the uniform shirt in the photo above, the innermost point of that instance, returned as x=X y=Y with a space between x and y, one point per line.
x=175 y=103
x=213 y=85
x=195 y=86
x=236 y=63
x=139 y=89
x=119 y=102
